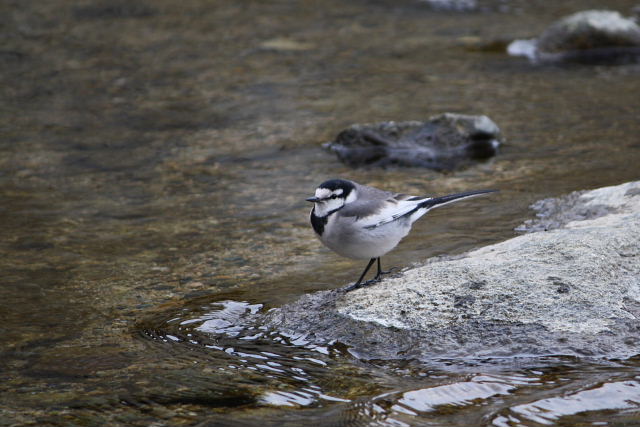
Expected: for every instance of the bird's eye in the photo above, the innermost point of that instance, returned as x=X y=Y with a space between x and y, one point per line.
x=334 y=196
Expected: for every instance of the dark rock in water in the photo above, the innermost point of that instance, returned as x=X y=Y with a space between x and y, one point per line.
x=591 y=36
x=443 y=142
x=573 y=290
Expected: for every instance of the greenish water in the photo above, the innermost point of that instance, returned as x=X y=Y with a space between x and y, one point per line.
x=154 y=162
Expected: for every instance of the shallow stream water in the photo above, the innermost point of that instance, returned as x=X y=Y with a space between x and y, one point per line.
x=154 y=161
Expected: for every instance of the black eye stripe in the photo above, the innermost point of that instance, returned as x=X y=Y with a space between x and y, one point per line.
x=333 y=196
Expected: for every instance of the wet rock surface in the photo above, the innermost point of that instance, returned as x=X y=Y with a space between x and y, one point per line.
x=570 y=291
x=443 y=142
x=591 y=36
x=590 y=29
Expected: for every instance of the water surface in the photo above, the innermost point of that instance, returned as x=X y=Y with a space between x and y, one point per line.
x=154 y=162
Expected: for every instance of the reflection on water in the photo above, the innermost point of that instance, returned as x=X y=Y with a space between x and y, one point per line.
x=292 y=374
x=458 y=394
x=609 y=396
x=229 y=331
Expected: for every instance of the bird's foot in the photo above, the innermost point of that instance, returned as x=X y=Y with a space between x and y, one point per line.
x=376 y=279
x=355 y=286
x=382 y=273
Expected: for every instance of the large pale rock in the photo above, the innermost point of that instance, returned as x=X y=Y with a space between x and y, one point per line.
x=572 y=290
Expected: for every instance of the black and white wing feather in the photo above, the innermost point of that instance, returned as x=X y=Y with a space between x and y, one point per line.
x=375 y=213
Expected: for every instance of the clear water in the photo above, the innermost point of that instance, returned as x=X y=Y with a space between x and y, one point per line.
x=154 y=162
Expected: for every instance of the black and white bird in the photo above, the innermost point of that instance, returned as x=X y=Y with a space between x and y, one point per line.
x=362 y=222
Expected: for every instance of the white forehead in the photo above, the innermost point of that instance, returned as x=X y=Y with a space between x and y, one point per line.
x=321 y=193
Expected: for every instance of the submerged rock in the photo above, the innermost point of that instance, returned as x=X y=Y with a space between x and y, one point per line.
x=443 y=142
x=574 y=290
x=592 y=36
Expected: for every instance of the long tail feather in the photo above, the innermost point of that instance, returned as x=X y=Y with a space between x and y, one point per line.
x=444 y=200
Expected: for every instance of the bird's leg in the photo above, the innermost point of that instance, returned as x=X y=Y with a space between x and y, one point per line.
x=381 y=273
x=359 y=283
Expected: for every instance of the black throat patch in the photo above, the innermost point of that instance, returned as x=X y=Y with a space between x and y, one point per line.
x=318 y=222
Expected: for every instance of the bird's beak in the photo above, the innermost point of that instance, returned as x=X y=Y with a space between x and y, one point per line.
x=313 y=199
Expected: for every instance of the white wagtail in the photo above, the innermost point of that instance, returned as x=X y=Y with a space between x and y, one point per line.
x=361 y=222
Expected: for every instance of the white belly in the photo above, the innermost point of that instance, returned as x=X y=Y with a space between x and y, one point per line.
x=354 y=242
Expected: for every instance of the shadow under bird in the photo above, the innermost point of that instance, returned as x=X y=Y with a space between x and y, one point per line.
x=362 y=222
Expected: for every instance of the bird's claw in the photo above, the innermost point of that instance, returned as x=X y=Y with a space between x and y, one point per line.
x=376 y=279
x=363 y=284
x=389 y=271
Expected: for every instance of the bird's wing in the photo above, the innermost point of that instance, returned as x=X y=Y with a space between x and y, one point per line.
x=373 y=213
x=393 y=212
x=399 y=206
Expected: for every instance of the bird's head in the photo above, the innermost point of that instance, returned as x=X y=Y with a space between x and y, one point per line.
x=332 y=195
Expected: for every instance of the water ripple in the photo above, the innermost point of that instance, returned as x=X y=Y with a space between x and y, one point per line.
x=291 y=373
